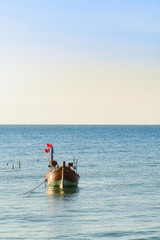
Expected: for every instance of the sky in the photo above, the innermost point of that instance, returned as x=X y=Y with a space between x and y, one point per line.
x=79 y=62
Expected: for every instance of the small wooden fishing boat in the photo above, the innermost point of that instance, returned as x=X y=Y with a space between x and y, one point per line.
x=64 y=176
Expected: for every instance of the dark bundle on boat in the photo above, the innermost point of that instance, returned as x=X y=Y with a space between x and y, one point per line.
x=52 y=164
x=70 y=164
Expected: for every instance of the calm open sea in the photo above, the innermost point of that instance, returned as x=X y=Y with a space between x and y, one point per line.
x=119 y=191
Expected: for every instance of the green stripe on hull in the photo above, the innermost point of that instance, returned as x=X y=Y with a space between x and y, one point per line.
x=58 y=183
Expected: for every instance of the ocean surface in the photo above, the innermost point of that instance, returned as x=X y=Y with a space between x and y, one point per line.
x=119 y=190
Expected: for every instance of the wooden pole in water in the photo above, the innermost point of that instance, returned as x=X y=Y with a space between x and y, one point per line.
x=19 y=164
x=63 y=166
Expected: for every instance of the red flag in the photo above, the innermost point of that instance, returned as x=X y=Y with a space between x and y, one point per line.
x=49 y=145
x=47 y=150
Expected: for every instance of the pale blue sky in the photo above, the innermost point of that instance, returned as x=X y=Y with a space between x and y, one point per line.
x=80 y=61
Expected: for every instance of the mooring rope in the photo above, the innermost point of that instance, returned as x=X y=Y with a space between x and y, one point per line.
x=32 y=189
x=37 y=186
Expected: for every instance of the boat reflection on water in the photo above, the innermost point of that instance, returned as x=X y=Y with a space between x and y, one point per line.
x=65 y=192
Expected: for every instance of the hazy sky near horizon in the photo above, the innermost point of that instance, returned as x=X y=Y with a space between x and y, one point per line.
x=79 y=62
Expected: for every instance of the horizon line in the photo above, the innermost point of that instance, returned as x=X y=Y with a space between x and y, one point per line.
x=80 y=124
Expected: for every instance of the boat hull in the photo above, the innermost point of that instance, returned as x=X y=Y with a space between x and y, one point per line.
x=63 y=177
x=59 y=183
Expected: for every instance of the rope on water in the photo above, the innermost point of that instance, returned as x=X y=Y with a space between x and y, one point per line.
x=32 y=189
x=37 y=186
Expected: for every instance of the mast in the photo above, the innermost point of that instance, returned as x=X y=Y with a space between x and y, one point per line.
x=52 y=152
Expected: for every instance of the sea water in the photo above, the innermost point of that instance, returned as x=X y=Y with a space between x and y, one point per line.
x=119 y=190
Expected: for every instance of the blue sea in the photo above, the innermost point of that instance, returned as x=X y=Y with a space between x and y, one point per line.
x=119 y=190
